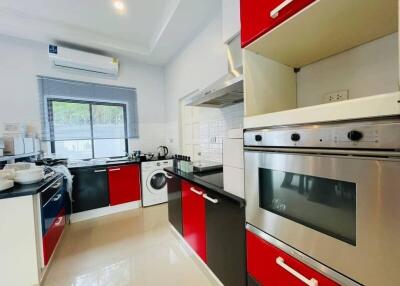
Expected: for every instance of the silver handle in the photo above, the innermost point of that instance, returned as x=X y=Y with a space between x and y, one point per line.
x=196 y=191
x=113 y=170
x=56 y=186
x=310 y=282
x=168 y=176
x=58 y=221
x=275 y=12
x=100 y=171
x=56 y=198
x=214 y=201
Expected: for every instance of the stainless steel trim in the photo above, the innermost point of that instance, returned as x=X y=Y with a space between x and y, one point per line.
x=214 y=201
x=100 y=171
x=326 y=151
x=332 y=274
x=376 y=134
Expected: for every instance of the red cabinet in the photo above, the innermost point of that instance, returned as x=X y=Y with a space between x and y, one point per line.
x=270 y=266
x=52 y=236
x=256 y=18
x=194 y=218
x=124 y=184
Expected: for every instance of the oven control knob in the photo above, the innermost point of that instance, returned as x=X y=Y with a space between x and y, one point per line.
x=295 y=137
x=355 y=135
x=258 y=137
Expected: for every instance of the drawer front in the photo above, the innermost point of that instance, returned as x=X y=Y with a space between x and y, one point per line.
x=194 y=218
x=270 y=266
x=124 y=184
x=52 y=207
x=52 y=236
x=256 y=19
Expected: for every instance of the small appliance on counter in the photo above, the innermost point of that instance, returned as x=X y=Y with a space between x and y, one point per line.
x=162 y=152
x=14 y=145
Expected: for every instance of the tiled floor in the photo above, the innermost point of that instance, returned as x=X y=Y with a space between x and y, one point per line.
x=131 y=248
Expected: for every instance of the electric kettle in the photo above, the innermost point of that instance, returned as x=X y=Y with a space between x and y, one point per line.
x=162 y=152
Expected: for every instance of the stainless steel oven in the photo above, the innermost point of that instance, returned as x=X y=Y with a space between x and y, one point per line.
x=331 y=191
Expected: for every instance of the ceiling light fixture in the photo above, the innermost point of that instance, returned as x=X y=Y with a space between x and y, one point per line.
x=119 y=5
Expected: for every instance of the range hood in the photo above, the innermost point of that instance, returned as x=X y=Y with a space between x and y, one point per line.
x=227 y=90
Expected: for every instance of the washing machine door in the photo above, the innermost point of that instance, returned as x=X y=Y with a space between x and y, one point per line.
x=156 y=182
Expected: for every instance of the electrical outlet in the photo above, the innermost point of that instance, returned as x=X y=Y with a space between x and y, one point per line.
x=336 y=96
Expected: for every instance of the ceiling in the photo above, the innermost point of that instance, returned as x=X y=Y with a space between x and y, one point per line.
x=152 y=31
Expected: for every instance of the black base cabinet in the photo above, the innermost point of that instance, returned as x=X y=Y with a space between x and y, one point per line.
x=90 y=189
x=175 y=202
x=226 y=239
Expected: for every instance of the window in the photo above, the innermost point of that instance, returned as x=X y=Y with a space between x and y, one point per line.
x=86 y=129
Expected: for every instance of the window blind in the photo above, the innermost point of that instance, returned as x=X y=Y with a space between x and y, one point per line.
x=54 y=88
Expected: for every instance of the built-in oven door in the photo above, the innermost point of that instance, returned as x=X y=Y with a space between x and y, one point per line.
x=343 y=211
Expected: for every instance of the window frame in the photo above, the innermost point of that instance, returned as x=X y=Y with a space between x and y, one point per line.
x=92 y=139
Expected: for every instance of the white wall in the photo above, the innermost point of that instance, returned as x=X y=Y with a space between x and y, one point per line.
x=200 y=63
x=366 y=70
x=22 y=61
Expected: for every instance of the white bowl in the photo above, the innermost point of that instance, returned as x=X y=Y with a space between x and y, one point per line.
x=6 y=184
x=29 y=176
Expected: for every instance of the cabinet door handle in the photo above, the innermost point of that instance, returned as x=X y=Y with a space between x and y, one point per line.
x=310 y=282
x=56 y=186
x=56 y=198
x=168 y=176
x=100 y=171
x=275 y=12
x=214 y=201
x=196 y=191
x=113 y=170
x=58 y=221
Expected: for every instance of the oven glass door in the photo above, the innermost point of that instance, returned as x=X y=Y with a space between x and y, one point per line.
x=323 y=204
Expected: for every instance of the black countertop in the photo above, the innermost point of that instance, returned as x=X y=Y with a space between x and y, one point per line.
x=28 y=190
x=88 y=164
x=212 y=180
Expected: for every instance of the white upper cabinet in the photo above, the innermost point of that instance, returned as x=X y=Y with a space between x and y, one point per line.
x=231 y=19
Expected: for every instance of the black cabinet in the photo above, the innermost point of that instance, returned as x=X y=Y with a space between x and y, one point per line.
x=90 y=189
x=226 y=239
x=175 y=202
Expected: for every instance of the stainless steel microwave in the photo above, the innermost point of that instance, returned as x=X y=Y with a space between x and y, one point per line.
x=331 y=192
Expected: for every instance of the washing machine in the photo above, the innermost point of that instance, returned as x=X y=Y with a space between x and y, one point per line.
x=154 y=182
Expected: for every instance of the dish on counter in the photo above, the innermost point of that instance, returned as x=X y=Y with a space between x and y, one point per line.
x=29 y=176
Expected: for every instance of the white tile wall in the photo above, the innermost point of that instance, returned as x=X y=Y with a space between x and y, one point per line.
x=208 y=128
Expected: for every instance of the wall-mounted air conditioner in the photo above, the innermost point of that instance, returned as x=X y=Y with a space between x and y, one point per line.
x=84 y=61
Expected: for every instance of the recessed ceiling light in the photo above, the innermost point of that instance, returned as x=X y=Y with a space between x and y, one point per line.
x=119 y=5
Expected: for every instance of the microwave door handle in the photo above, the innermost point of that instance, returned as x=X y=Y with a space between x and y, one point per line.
x=310 y=282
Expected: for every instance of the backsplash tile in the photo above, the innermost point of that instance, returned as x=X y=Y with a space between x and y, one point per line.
x=208 y=127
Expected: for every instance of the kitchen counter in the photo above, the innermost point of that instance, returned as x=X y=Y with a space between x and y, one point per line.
x=212 y=180
x=88 y=164
x=28 y=190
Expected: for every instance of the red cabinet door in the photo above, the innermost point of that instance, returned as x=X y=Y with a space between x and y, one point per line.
x=52 y=236
x=194 y=218
x=124 y=184
x=256 y=19
x=270 y=266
